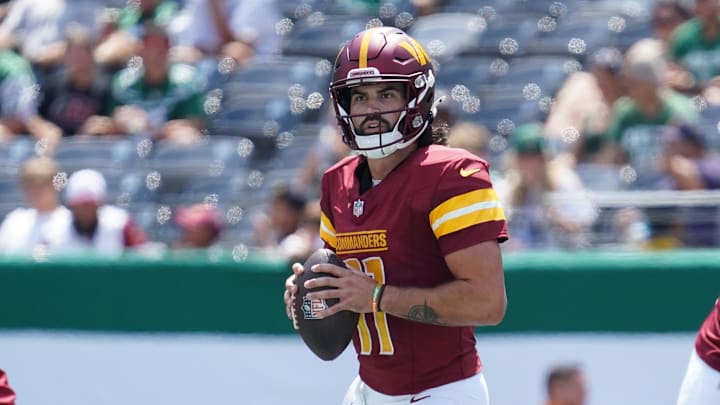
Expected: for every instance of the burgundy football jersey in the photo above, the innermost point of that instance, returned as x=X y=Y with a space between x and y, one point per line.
x=439 y=200
x=707 y=343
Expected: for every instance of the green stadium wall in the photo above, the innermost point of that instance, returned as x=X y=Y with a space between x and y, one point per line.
x=547 y=292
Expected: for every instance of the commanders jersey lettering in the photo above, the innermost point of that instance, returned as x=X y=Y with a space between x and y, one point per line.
x=366 y=241
x=465 y=210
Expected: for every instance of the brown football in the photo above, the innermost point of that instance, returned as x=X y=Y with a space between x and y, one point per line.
x=328 y=337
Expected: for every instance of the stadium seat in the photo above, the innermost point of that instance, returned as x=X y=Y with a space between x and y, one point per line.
x=252 y=114
x=230 y=188
x=263 y=184
x=573 y=38
x=271 y=95
x=109 y=155
x=14 y=152
x=10 y=190
x=446 y=35
x=236 y=234
x=171 y=165
x=207 y=156
x=470 y=71
x=131 y=188
x=8 y=206
x=281 y=72
x=599 y=177
x=637 y=7
x=291 y=8
x=547 y=72
x=494 y=112
x=157 y=227
x=322 y=37
x=473 y=6
x=507 y=36
x=635 y=30
x=710 y=126
x=295 y=9
x=538 y=8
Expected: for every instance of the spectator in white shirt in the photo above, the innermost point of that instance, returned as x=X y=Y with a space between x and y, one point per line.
x=26 y=231
x=37 y=27
x=220 y=28
x=95 y=227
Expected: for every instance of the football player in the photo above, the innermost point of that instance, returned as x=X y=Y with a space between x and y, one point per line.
x=421 y=224
x=701 y=384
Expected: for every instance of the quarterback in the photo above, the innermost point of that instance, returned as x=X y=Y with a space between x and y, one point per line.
x=421 y=224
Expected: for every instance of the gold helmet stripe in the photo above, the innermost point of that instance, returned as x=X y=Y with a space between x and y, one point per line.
x=364 y=49
x=421 y=51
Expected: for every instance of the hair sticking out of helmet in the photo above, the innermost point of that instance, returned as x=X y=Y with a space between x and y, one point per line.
x=384 y=55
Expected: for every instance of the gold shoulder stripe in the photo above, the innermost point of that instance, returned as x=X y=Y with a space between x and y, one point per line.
x=465 y=210
x=327 y=230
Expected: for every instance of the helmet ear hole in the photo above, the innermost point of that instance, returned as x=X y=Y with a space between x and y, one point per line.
x=344 y=98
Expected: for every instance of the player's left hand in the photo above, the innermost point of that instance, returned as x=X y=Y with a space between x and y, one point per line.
x=354 y=289
x=290 y=291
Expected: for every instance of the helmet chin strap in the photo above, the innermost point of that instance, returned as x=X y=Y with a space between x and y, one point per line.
x=402 y=145
x=372 y=145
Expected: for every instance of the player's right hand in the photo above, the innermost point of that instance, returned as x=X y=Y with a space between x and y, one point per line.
x=291 y=290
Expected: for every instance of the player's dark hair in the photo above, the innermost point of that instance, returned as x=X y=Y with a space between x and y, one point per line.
x=434 y=134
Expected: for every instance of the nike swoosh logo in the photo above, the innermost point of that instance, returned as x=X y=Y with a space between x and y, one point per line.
x=413 y=399
x=465 y=173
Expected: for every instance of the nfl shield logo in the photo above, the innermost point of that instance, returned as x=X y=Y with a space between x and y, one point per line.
x=310 y=308
x=358 y=207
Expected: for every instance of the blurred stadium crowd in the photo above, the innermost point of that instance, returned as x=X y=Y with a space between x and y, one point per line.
x=207 y=122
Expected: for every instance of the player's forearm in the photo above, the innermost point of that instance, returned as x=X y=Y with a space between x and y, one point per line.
x=457 y=303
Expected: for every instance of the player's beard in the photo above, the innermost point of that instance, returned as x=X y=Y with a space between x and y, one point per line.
x=384 y=126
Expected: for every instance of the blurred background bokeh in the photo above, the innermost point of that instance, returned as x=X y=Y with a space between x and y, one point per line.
x=146 y=136
x=599 y=123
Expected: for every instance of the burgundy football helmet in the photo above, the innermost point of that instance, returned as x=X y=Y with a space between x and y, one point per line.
x=384 y=54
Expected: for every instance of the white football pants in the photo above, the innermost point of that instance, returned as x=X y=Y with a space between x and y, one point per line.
x=701 y=385
x=470 y=391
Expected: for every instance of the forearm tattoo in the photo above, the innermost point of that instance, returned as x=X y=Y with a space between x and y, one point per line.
x=423 y=313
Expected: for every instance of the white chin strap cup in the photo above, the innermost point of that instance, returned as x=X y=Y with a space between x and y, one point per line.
x=372 y=143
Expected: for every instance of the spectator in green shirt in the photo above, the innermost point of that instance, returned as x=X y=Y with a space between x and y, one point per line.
x=695 y=45
x=161 y=99
x=133 y=17
x=19 y=105
x=115 y=49
x=648 y=101
x=638 y=118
